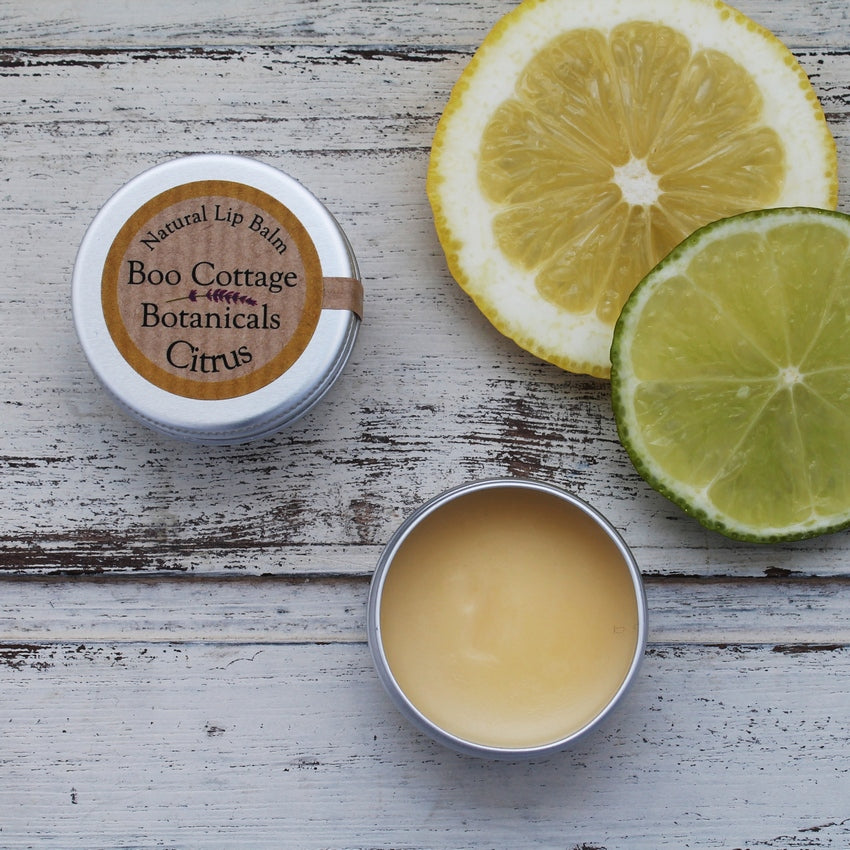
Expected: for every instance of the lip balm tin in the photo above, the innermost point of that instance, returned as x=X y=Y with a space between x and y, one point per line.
x=377 y=646
x=216 y=298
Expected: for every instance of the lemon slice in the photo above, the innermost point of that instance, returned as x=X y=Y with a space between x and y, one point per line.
x=585 y=140
x=731 y=374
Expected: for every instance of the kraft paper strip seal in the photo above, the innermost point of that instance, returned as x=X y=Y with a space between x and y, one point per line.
x=343 y=293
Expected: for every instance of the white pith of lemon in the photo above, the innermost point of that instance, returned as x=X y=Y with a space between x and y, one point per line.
x=731 y=374
x=555 y=192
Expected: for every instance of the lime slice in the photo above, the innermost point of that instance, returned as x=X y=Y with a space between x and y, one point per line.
x=731 y=374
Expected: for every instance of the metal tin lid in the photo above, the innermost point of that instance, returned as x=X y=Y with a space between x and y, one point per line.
x=216 y=298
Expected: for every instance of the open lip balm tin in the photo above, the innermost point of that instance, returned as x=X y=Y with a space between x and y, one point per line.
x=506 y=619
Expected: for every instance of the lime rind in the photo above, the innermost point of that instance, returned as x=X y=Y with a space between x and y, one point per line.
x=790 y=479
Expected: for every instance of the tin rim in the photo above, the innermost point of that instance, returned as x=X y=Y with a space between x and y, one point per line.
x=394 y=690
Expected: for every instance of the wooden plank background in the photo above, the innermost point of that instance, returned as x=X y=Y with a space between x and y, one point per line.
x=182 y=642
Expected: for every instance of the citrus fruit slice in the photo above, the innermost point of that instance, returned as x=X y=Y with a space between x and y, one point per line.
x=731 y=374
x=585 y=140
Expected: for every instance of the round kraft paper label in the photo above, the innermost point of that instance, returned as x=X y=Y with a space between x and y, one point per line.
x=212 y=289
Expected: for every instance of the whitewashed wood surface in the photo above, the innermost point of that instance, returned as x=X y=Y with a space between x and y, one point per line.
x=182 y=646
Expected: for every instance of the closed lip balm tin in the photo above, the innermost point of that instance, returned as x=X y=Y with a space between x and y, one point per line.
x=216 y=298
x=434 y=550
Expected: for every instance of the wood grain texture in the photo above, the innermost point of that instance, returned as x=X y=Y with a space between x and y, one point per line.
x=91 y=24
x=297 y=747
x=392 y=432
x=182 y=655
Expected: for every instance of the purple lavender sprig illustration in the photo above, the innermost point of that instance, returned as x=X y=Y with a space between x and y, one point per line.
x=217 y=296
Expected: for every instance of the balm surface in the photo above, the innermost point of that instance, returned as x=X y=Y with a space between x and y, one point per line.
x=509 y=618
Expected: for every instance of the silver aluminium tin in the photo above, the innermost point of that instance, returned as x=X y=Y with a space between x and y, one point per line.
x=246 y=416
x=397 y=695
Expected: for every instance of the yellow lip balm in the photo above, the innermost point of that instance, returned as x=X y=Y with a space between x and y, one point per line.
x=508 y=617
